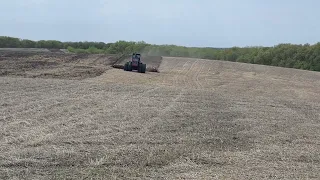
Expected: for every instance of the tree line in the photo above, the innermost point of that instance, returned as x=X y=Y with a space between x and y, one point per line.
x=300 y=56
x=12 y=42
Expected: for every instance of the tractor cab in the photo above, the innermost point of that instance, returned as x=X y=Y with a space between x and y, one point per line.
x=135 y=59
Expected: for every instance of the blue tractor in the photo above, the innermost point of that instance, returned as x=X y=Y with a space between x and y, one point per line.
x=135 y=64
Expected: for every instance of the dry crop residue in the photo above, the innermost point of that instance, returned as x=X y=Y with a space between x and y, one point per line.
x=196 y=119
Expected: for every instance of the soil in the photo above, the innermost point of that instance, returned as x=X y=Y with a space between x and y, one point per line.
x=196 y=119
x=54 y=64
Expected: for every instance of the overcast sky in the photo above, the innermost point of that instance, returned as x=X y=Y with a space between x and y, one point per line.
x=214 y=23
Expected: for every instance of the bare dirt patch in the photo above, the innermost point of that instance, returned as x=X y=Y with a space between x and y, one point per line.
x=54 y=64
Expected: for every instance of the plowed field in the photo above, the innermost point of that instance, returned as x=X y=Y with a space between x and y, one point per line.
x=196 y=119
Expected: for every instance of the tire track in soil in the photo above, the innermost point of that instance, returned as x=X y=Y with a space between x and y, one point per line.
x=195 y=74
x=177 y=85
x=155 y=120
x=190 y=75
x=186 y=71
x=169 y=69
x=208 y=74
x=198 y=73
x=182 y=75
x=221 y=79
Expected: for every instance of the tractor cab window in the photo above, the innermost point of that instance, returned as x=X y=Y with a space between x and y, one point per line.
x=136 y=57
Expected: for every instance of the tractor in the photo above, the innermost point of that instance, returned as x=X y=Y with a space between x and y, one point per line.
x=135 y=64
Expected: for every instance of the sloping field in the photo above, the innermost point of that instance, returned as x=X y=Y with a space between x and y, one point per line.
x=196 y=119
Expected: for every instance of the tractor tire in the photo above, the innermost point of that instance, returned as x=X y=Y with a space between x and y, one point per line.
x=125 y=67
x=129 y=67
x=143 y=68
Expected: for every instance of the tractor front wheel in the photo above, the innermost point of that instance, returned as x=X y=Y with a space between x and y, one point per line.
x=125 y=66
x=129 y=66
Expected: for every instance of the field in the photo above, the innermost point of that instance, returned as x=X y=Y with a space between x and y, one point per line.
x=75 y=117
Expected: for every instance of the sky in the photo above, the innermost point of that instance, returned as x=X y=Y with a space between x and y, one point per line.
x=200 y=23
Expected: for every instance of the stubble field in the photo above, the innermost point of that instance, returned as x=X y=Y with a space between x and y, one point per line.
x=196 y=119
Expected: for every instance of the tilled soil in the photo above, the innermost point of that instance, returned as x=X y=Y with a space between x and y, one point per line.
x=196 y=119
x=54 y=65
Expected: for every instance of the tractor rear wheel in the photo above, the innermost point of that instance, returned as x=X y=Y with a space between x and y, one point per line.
x=143 y=68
